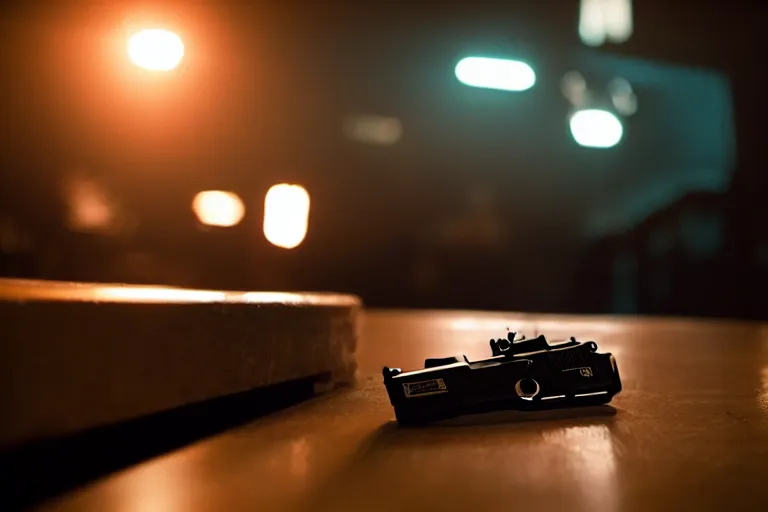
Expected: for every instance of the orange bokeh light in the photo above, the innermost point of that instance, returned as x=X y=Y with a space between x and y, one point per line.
x=156 y=49
x=218 y=208
x=286 y=215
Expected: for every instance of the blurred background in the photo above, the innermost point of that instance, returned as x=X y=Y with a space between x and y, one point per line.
x=582 y=156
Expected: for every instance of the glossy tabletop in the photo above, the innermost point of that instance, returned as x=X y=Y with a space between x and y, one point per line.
x=688 y=432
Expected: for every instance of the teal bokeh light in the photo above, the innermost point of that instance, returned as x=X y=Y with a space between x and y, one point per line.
x=491 y=73
x=595 y=128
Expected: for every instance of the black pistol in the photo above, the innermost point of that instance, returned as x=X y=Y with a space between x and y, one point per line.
x=525 y=374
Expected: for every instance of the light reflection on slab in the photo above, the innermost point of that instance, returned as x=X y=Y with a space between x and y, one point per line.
x=23 y=290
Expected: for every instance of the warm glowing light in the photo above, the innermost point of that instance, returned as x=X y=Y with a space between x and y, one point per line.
x=595 y=128
x=376 y=130
x=502 y=74
x=158 y=294
x=286 y=215
x=218 y=208
x=601 y=20
x=283 y=297
x=34 y=290
x=156 y=49
x=90 y=207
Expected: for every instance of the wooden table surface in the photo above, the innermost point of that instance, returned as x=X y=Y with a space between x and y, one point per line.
x=689 y=432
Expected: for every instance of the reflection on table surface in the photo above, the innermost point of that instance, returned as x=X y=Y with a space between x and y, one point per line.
x=689 y=431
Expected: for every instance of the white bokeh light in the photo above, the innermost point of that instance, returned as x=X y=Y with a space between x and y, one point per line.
x=594 y=128
x=286 y=215
x=605 y=20
x=490 y=73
